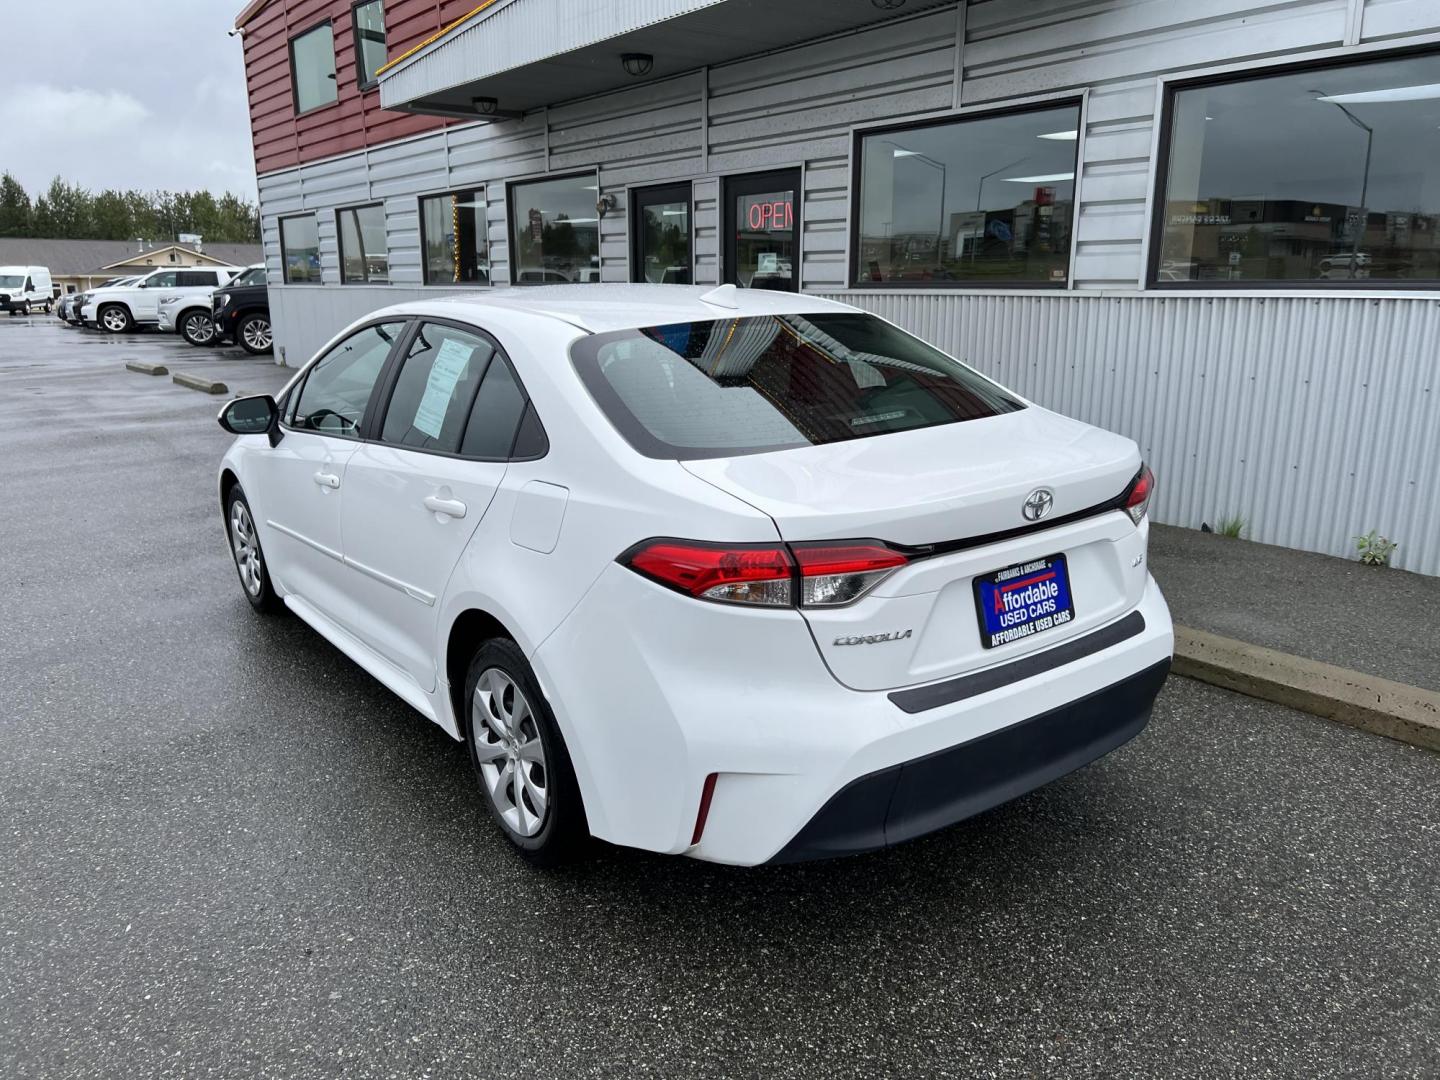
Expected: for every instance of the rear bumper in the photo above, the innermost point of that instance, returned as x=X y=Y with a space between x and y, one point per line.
x=905 y=801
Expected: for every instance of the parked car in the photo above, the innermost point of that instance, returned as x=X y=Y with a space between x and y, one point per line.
x=191 y=314
x=242 y=312
x=25 y=287
x=746 y=576
x=121 y=308
x=70 y=304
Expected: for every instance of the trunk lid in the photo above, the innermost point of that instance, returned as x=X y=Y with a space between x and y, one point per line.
x=945 y=485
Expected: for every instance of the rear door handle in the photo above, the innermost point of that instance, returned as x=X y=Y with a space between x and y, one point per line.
x=449 y=507
x=327 y=479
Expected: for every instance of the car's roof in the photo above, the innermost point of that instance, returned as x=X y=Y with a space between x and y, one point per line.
x=600 y=308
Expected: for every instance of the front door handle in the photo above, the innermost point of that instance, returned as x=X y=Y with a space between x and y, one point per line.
x=327 y=479
x=449 y=507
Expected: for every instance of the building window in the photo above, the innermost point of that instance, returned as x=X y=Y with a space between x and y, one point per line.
x=983 y=200
x=453 y=238
x=300 y=249
x=312 y=68
x=555 y=231
x=660 y=235
x=1326 y=175
x=369 y=16
x=364 y=257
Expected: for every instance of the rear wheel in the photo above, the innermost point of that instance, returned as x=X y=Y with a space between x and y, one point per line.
x=197 y=328
x=253 y=334
x=115 y=319
x=520 y=759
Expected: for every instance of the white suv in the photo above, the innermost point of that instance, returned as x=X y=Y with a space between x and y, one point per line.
x=748 y=576
x=121 y=308
x=190 y=312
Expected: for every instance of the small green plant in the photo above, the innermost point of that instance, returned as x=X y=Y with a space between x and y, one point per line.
x=1233 y=527
x=1375 y=550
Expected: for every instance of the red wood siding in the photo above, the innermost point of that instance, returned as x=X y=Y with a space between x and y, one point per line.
x=355 y=120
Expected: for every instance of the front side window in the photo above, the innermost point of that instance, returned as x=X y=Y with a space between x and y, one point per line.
x=555 y=231
x=1323 y=176
x=162 y=281
x=435 y=388
x=369 y=42
x=454 y=238
x=364 y=254
x=986 y=200
x=300 y=249
x=312 y=67
x=337 y=388
x=254 y=276
x=747 y=385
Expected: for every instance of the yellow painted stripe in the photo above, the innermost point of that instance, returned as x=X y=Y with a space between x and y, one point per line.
x=435 y=37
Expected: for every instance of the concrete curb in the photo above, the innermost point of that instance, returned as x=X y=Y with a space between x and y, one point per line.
x=199 y=382
x=1406 y=713
x=146 y=368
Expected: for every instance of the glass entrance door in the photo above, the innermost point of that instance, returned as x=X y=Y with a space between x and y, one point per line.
x=762 y=230
x=660 y=235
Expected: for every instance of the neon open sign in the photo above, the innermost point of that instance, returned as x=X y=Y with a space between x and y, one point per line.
x=770 y=214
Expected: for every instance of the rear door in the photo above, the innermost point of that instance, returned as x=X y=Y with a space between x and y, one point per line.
x=415 y=494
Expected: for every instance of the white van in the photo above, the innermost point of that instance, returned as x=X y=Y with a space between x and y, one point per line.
x=25 y=287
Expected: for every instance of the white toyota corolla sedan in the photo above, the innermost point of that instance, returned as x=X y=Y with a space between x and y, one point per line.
x=742 y=575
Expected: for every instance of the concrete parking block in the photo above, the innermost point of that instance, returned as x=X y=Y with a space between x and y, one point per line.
x=199 y=382
x=1395 y=710
x=144 y=367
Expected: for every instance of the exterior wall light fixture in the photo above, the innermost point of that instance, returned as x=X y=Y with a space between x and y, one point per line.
x=637 y=63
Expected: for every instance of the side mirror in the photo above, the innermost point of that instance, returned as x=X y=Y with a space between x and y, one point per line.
x=258 y=415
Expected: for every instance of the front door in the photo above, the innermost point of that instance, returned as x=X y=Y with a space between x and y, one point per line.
x=660 y=234
x=301 y=480
x=762 y=230
x=414 y=496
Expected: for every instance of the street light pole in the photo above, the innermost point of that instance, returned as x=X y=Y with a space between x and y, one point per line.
x=1364 y=178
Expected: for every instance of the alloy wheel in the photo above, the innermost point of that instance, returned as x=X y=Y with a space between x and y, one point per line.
x=199 y=329
x=247 y=548
x=257 y=334
x=510 y=751
x=113 y=320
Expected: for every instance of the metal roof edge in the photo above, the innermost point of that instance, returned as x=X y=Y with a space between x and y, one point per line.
x=435 y=37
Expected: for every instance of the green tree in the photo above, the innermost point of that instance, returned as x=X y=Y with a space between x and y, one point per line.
x=111 y=216
x=15 y=210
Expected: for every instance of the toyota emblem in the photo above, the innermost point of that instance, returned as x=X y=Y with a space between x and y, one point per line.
x=1038 y=503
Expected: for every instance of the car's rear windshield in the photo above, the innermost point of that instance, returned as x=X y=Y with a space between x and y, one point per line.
x=749 y=385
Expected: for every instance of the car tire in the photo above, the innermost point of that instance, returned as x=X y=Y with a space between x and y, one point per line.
x=248 y=556
x=25 y=308
x=520 y=759
x=254 y=335
x=115 y=319
x=198 y=328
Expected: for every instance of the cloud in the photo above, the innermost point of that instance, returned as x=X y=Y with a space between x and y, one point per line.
x=81 y=113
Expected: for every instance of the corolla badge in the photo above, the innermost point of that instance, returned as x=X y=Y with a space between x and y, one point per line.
x=1038 y=503
x=873 y=639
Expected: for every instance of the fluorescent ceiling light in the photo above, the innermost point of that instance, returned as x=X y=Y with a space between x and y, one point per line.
x=1061 y=136
x=906 y=153
x=1046 y=179
x=1393 y=93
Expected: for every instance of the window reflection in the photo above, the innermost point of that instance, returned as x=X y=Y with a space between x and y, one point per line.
x=1325 y=175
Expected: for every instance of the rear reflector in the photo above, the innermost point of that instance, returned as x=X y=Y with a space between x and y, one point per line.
x=1137 y=496
x=828 y=574
x=706 y=794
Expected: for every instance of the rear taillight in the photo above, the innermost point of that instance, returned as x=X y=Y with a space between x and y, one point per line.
x=767 y=575
x=1137 y=496
x=836 y=574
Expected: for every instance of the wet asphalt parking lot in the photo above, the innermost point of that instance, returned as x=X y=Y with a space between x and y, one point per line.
x=228 y=852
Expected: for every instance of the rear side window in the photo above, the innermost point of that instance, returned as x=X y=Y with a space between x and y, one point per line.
x=748 y=385
x=498 y=409
x=337 y=389
x=435 y=388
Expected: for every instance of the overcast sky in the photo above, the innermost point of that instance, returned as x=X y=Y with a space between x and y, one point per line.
x=125 y=93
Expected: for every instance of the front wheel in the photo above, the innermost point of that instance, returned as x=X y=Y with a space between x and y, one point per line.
x=520 y=759
x=25 y=308
x=115 y=319
x=248 y=555
x=254 y=335
x=197 y=328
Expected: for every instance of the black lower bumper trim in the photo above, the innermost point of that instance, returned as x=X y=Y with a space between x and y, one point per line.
x=917 y=797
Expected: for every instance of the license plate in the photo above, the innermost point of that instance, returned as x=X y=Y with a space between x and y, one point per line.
x=1022 y=601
